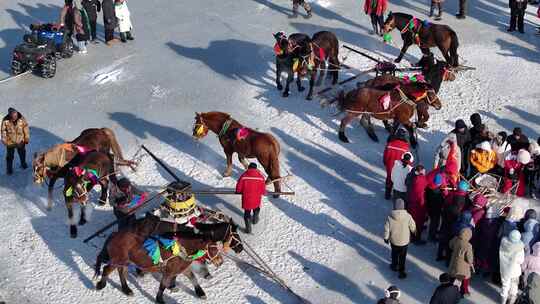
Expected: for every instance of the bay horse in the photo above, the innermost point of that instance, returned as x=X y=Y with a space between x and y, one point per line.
x=414 y=31
x=50 y=163
x=324 y=48
x=96 y=168
x=402 y=104
x=126 y=246
x=262 y=146
x=288 y=51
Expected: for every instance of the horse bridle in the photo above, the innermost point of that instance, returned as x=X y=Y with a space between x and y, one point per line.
x=429 y=101
x=226 y=245
x=202 y=125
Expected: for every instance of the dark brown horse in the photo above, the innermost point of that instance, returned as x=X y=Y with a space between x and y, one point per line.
x=289 y=51
x=51 y=162
x=414 y=31
x=126 y=246
x=324 y=48
x=399 y=104
x=262 y=146
x=95 y=168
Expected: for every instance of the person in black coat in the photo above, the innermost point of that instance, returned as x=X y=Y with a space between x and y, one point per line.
x=517 y=14
x=476 y=121
x=447 y=292
x=518 y=140
x=109 y=20
x=463 y=139
x=92 y=7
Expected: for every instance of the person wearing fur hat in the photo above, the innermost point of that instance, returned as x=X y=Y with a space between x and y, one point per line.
x=461 y=261
x=398 y=228
x=514 y=175
x=486 y=243
x=15 y=136
x=511 y=256
x=447 y=292
x=391 y=296
x=399 y=174
x=396 y=146
x=463 y=138
x=436 y=190
x=518 y=140
x=416 y=201
x=482 y=158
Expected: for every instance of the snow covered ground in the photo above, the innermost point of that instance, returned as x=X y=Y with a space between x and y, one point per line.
x=217 y=55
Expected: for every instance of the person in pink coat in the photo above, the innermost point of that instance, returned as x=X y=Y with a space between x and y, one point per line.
x=375 y=9
x=417 y=201
x=478 y=211
x=532 y=262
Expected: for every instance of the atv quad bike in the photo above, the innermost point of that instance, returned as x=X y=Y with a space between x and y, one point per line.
x=35 y=56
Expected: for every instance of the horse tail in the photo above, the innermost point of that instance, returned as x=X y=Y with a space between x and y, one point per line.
x=454 y=43
x=115 y=147
x=102 y=257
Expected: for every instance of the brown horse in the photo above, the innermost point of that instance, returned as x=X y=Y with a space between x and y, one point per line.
x=414 y=31
x=289 y=50
x=262 y=146
x=324 y=47
x=126 y=246
x=50 y=163
x=401 y=106
x=95 y=168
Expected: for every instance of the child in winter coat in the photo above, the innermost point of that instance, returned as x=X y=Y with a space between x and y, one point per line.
x=375 y=9
x=397 y=231
x=417 y=201
x=436 y=4
x=124 y=21
x=511 y=255
x=483 y=158
x=461 y=261
x=399 y=174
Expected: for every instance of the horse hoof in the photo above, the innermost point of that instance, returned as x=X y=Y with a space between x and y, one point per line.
x=200 y=293
x=279 y=87
x=100 y=285
x=301 y=89
x=127 y=291
x=343 y=138
x=285 y=94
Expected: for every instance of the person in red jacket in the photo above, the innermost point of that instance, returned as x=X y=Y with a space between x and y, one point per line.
x=396 y=146
x=252 y=186
x=375 y=9
x=417 y=201
x=514 y=167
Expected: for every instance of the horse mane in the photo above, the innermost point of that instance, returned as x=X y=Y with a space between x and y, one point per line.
x=407 y=16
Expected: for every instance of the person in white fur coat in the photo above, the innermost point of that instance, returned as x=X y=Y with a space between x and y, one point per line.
x=124 y=20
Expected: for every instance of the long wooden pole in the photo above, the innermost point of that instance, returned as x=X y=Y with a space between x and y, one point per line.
x=231 y=192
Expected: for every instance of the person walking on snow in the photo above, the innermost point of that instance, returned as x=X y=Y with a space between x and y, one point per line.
x=461 y=261
x=71 y=17
x=397 y=231
x=517 y=15
x=124 y=20
x=304 y=4
x=511 y=256
x=416 y=199
x=463 y=138
x=92 y=8
x=399 y=174
x=252 y=186
x=447 y=292
x=15 y=135
x=375 y=9
x=436 y=4
x=396 y=146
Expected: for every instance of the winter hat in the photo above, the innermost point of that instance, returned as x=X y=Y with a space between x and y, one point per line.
x=399 y=204
x=463 y=186
x=530 y=214
x=252 y=166
x=419 y=170
x=123 y=183
x=524 y=157
x=392 y=291
x=476 y=119
x=437 y=180
x=11 y=110
x=485 y=145
x=407 y=157
x=460 y=124
x=401 y=134
x=514 y=236
x=517 y=131
x=446 y=278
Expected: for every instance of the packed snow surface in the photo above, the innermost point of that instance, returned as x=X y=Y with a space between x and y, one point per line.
x=196 y=56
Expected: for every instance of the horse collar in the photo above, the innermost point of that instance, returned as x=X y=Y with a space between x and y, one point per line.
x=225 y=127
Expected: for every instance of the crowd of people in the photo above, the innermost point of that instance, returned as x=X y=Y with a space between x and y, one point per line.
x=472 y=236
x=79 y=19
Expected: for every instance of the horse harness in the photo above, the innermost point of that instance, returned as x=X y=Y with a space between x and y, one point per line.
x=404 y=99
x=413 y=26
